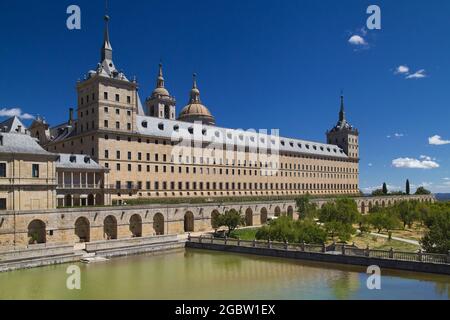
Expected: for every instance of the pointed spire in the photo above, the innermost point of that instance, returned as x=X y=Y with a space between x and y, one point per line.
x=195 y=93
x=160 y=80
x=106 y=53
x=342 y=111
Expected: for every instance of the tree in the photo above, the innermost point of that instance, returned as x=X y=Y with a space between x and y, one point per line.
x=377 y=192
x=230 y=219
x=383 y=220
x=422 y=191
x=406 y=211
x=306 y=209
x=338 y=218
x=408 y=188
x=285 y=229
x=437 y=238
x=385 y=189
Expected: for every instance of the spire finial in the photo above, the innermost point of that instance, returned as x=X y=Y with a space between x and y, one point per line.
x=194 y=81
x=342 y=110
x=106 y=53
x=195 y=93
x=160 y=80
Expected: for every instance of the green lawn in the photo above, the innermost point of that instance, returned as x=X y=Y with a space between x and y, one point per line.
x=245 y=234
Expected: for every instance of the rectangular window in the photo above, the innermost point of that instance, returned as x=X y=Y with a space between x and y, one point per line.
x=106 y=154
x=35 y=171
x=105 y=95
x=117 y=98
x=128 y=99
x=118 y=155
x=117 y=111
x=106 y=109
x=2 y=204
x=2 y=170
x=117 y=125
x=106 y=124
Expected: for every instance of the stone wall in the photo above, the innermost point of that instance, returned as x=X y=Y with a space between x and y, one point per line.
x=60 y=224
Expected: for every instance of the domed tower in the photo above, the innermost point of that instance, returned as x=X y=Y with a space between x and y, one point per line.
x=344 y=135
x=195 y=110
x=161 y=104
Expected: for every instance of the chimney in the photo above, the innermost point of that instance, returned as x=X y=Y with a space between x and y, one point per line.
x=70 y=116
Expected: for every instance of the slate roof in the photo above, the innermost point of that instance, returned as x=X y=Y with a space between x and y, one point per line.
x=77 y=161
x=175 y=130
x=21 y=143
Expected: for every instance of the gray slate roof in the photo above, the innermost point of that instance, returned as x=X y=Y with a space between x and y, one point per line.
x=77 y=161
x=152 y=126
x=21 y=143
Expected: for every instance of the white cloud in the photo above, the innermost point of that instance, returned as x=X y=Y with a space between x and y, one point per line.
x=357 y=40
x=17 y=112
x=437 y=141
x=395 y=135
x=370 y=189
x=417 y=75
x=410 y=163
x=402 y=70
x=370 y=165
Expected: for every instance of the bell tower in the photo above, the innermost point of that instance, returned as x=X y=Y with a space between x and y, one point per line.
x=160 y=104
x=344 y=135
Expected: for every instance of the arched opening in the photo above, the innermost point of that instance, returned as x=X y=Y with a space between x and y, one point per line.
x=214 y=215
x=277 y=212
x=290 y=212
x=68 y=201
x=136 y=226
x=158 y=224
x=249 y=217
x=167 y=112
x=36 y=232
x=189 y=222
x=263 y=216
x=383 y=204
x=91 y=200
x=110 y=228
x=370 y=206
x=82 y=229
x=363 y=207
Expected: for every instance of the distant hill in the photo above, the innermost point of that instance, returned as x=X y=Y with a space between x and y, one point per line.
x=443 y=196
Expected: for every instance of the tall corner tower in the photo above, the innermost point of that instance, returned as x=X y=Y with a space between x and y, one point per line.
x=107 y=100
x=344 y=135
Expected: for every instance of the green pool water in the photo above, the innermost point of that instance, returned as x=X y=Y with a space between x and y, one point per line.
x=195 y=274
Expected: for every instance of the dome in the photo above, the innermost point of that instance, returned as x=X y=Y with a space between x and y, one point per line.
x=195 y=110
x=160 y=92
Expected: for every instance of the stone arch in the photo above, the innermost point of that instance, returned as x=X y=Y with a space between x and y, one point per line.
x=110 y=228
x=37 y=232
x=363 y=207
x=214 y=216
x=83 y=229
x=290 y=212
x=263 y=216
x=383 y=204
x=277 y=212
x=370 y=206
x=188 y=222
x=249 y=217
x=136 y=226
x=91 y=200
x=158 y=224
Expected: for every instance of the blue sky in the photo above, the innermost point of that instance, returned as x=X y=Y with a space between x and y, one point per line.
x=261 y=64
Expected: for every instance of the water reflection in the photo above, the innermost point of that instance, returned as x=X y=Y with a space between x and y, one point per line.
x=193 y=274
